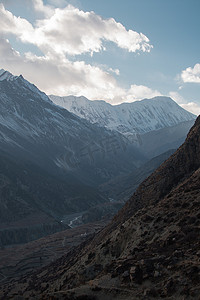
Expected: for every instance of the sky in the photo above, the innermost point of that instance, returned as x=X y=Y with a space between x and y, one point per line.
x=117 y=51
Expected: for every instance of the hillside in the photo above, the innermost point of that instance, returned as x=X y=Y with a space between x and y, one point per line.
x=123 y=187
x=150 y=249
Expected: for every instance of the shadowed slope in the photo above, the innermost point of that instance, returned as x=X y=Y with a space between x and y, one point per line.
x=150 y=249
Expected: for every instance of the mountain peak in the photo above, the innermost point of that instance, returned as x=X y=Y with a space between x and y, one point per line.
x=5 y=75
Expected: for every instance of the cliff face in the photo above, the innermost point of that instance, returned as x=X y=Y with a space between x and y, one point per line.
x=150 y=249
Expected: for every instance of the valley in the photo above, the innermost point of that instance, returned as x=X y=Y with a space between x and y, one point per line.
x=99 y=150
x=150 y=249
x=84 y=196
x=54 y=163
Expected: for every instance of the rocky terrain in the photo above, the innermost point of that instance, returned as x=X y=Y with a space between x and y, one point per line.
x=19 y=260
x=151 y=249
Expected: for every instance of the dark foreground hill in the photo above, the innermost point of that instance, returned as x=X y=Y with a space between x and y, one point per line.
x=150 y=249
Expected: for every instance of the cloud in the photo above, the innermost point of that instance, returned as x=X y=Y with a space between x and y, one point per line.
x=59 y=33
x=192 y=107
x=60 y=77
x=10 y=24
x=115 y=71
x=191 y=74
x=139 y=92
x=71 y=31
x=177 y=97
x=39 y=6
x=63 y=77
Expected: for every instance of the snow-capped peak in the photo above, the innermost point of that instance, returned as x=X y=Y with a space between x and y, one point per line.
x=5 y=75
x=128 y=118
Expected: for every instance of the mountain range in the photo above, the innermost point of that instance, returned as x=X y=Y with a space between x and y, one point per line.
x=33 y=125
x=138 y=117
x=149 y=250
x=55 y=163
x=136 y=120
x=51 y=161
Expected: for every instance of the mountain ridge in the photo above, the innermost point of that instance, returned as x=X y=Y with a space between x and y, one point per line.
x=70 y=155
x=24 y=115
x=138 y=117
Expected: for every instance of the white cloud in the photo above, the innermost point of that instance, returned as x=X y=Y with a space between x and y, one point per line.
x=191 y=74
x=71 y=31
x=115 y=71
x=139 y=92
x=177 y=97
x=60 y=32
x=14 y=25
x=46 y=10
x=59 y=76
x=192 y=107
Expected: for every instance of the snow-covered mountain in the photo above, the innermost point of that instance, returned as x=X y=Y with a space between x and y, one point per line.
x=128 y=118
x=52 y=161
x=152 y=125
x=31 y=125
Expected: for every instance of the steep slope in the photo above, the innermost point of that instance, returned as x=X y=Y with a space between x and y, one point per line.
x=51 y=160
x=150 y=249
x=123 y=187
x=156 y=142
x=33 y=201
x=33 y=127
x=120 y=189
